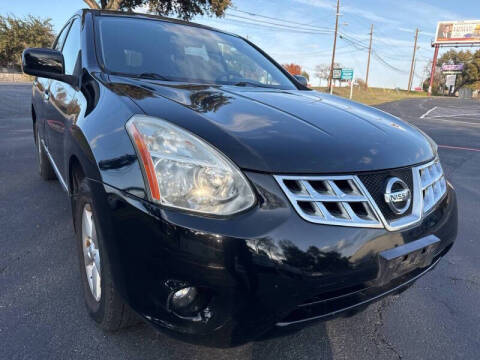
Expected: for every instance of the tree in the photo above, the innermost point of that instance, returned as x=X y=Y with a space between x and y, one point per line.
x=306 y=75
x=470 y=76
x=184 y=9
x=16 y=34
x=361 y=83
x=438 y=79
x=293 y=69
x=322 y=71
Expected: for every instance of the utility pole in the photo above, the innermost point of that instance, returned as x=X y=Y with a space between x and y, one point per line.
x=330 y=78
x=410 y=79
x=434 y=67
x=369 y=52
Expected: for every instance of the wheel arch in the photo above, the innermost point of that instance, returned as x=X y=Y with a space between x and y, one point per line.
x=79 y=159
x=74 y=168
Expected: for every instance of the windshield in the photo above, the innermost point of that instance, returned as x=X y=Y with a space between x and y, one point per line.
x=177 y=52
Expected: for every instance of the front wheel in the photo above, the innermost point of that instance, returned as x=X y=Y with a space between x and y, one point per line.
x=102 y=300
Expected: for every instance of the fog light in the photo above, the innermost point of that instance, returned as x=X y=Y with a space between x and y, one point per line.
x=184 y=297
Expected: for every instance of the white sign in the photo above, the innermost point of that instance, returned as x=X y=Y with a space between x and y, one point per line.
x=450 y=80
x=337 y=73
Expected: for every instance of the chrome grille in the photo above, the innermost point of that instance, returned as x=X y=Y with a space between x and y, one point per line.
x=344 y=200
x=433 y=184
x=332 y=200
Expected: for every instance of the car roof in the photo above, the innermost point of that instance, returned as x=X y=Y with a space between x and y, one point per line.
x=97 y=12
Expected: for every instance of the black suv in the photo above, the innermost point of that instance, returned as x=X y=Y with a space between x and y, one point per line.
x=216 y=196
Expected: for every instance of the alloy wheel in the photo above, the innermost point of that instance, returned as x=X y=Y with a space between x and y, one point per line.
x=91 y=252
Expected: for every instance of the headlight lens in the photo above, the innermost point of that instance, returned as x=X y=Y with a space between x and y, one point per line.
x=185 y=172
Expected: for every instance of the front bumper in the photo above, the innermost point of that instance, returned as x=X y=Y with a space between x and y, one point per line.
x=264 y=267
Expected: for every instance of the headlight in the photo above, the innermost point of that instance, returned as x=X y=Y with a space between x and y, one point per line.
x=183 y=171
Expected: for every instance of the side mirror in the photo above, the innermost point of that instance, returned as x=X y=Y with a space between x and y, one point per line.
x=301 y=79
x=47 y=63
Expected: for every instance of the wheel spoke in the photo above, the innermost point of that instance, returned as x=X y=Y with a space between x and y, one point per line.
x=91 y=252
x=94 y=233
x=95 y=283
x=88 y=270
x=87 y=223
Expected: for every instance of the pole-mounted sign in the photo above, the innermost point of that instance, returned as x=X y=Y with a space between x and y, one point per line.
x=347 y=74
x=337 y=74
x=458 y=32
x=343 y=74
x=452 y=67
x=454 y=33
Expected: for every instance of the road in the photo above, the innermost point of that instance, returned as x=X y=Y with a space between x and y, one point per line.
x=42 y=315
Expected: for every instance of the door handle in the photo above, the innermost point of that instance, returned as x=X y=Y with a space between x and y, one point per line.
x=46 y=95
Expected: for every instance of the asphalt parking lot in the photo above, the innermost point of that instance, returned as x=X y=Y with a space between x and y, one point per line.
x=42 y=315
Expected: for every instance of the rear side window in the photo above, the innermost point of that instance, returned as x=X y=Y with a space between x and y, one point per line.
x=71 y=48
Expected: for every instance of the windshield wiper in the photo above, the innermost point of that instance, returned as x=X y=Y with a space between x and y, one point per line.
x=151 y=75
x=251 y=83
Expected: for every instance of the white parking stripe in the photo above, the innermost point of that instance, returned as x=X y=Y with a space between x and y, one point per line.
x=455 y=122
x=428 y=112
x=452 y=116
x=458 y=148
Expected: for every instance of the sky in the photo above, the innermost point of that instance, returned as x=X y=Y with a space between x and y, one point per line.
x=308 y=40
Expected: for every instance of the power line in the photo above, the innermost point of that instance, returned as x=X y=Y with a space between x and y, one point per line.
x=275 y=26
x=308 y=29
x=312 y=53
x=278 y=24
x=363 y=47
x=392 y=67
x=283 y=20
x=263 y=26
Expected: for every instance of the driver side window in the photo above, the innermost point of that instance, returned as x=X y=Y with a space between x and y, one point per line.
x=61 y=37
x=71 y=48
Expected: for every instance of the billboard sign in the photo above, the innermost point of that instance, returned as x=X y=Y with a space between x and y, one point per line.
x=337 y=73
x=467 y=31
x=347 y=74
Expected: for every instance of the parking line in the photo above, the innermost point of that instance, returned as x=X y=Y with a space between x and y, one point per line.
x=458 y=148
x=452 y=116
x=428 y=112
x=455 y=122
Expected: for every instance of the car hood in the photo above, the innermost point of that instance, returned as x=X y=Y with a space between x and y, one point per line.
x=283 y=131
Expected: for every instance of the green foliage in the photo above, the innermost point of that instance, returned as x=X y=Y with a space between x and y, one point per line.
x=16 y=34
x=438 y=80
x=470 y=75
x=184 y=9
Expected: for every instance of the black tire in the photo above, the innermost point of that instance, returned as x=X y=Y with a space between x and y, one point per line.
x=44 y=166
x=110 y=312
